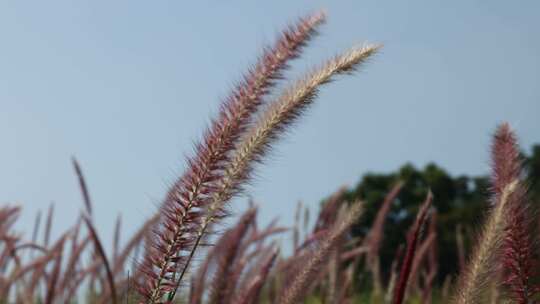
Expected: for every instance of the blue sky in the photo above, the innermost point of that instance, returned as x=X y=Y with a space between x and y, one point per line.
x=128 y=86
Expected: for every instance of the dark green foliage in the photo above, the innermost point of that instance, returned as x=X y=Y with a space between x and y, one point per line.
x=458 y=200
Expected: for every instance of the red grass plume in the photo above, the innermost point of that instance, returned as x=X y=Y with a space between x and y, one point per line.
x=299 y=286
x=517 y=251
x=504 y=234
x=412 y=241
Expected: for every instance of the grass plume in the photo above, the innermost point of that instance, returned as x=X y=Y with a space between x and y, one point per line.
x=296 y=291
x=410 y=252
x=187 y=199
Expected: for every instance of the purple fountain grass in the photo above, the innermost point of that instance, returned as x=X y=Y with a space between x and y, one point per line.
x=297 y=289
x=331 y=272
x=422 y=253
x=281 y=114
x=258 y=236
x=51 y=286
x=36 y=267
x=224 y=282
x=79 y=277
x=181 y=212
x=116 y=238
x=253 y=248
x=30 y=245
x=394 y=273
x=101 y=253
x=35 y=231
x=82 y=185
x=198 y=280
x=505 y=159
x=255 y=144
x=8 y=216
x=346 y=285
x=327 y=214
x=519 y=267
x=273 y=122
x=353 y=253
x=432 y=264
x=482 y=264
x=251 y=292
x=375 y=236
x=517 y=251
x=105 y=262
x=75 y=254
x=506 y=187
x=48 y=225
x=296 y=226
x=412 y=241
x=230 y=261
x=247 y=266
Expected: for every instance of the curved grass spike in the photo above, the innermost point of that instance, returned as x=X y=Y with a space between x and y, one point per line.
x=48 y=225
x=52 y=284
x=70 y=270
x=432 y=264
x=412 y=241
x=327 y=214
x=272 y=123
x=181 y=211
x=223 y=284
x=376 y=234
x=252 y=291
x=116 y=239
x=82 y=185
x=101 y=253
x=421 y=256
x=37 y=223
x=36 y=267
